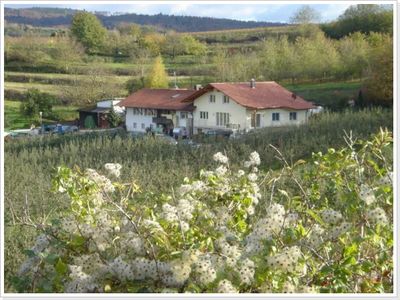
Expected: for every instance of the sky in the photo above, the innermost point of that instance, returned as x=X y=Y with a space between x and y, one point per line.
x=270 y=12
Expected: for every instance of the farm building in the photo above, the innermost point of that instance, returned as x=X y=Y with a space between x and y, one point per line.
x=239 y=107
x=158 y=109
x=96 y=116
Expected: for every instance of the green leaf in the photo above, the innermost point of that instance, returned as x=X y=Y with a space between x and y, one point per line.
x=78 y=240
x=51 y=258
x=315 y=216
x=350 y=250
x=29 y=253
x=60 y=267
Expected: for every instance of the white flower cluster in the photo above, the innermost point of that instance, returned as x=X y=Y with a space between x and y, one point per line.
x=315 y=238
x=246 y=271
x=183 y=213
x=264 y=228
x=221 y=171
x=90 y=263
x=225 y=286
x=219 y=157
x=195 y=186
x=132 y=242
x=205 y=272
x=252 y=177
x=113 y=169
x=101 y=181
x=254 y=160
x=387 y=179
x=331 y=216
x=367 y=194
x=377 y=216
x=81 y=282
x=286 y=260
x=231 y=253
x=337 y=231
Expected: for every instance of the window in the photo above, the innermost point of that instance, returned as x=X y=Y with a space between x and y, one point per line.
x=293 y=116
x=222 y=119
x=212 y=98
x=150 y=112
x=134 y=125
x=255 y=120
x=143 y=126
x=183 y=115
x=226 y=99
x=275 y=116
x=138 y=111
x=204 y=115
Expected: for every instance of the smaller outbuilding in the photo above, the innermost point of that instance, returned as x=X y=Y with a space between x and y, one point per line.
x=96 y=116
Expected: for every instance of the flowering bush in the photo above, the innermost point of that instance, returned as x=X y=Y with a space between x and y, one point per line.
x=319 y=227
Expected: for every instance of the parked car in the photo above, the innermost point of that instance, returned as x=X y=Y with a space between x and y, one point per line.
x=179 y=132
x=59 y=128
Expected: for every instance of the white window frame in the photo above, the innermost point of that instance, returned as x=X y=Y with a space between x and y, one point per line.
x=225 y=99
x=293 y=116
x=134 y=125
x=183 y=115
x=222 y=119
x=143 y=126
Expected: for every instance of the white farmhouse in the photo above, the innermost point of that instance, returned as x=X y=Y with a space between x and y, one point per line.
x=237 y=106
x=245 y=106
x=158 y=109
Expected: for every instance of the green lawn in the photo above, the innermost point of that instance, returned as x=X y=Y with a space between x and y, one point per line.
x=331 y=94
x=14 y=119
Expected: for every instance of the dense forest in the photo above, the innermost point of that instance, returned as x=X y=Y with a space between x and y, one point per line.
x=51 y=17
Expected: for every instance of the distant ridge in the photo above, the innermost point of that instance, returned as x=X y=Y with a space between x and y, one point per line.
x=61 y=17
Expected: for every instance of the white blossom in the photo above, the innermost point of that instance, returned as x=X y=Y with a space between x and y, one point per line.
x=219 y=157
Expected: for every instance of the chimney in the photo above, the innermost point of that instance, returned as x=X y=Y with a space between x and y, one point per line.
x=294 y=96
x=252 y=83
x=198 y=87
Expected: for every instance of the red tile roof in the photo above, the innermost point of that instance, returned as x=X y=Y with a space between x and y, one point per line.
x=170 y=99
x=267 y=94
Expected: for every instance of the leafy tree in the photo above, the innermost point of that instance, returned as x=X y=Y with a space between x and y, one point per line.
x=379 y=83
x=113 y=118
x=88 y=30
x=153 y=42
x=365 y=18
x=353 y=51
x=66 y=51
x=305 y=15
x=157 y=77
x=134 y=84
x=35 y=102
x=88 y=90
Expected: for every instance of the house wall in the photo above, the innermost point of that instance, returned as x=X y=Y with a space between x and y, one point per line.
x=237 y=113
x=284 y=117
x=130 y=118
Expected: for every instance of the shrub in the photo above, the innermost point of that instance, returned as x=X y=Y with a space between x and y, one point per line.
x=325 y=226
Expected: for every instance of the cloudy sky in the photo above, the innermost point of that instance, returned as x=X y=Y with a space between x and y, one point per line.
x=274 y=12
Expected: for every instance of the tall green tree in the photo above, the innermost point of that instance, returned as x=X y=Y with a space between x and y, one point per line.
x=88 y=30
x=36 y=102
x=365 y=18
x=379 y=83
x=157 y=77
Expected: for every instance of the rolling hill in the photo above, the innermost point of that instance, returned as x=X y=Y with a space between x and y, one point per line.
x=61 y=17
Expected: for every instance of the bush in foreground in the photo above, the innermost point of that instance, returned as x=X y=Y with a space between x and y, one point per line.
x=325 y=226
